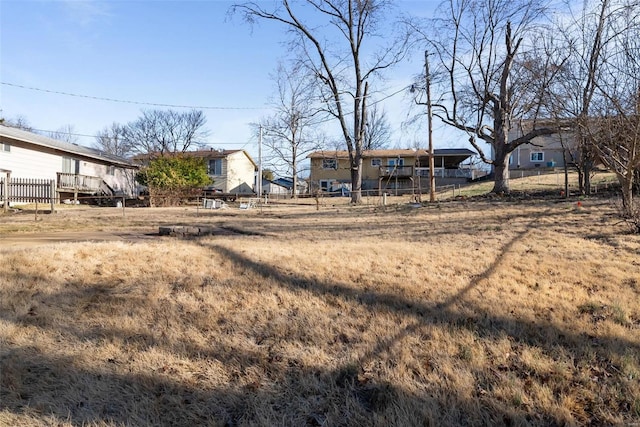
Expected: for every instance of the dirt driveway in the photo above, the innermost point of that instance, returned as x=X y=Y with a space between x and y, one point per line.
x=47 y=238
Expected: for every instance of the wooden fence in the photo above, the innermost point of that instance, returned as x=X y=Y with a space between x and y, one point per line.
x=25 y=190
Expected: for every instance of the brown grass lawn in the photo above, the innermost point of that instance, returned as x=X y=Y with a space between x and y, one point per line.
x=481 y=312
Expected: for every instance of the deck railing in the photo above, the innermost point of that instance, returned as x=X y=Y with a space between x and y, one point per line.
x=76 y=182
x=399 y=171
x=446 y=173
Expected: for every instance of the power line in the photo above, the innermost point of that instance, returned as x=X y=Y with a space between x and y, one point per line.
x=332 y=117
x=98 y=98
x=131 y=102
x=61 y=132
x=175 y=106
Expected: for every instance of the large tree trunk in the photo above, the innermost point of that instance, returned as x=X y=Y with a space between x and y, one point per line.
x=566 y=172
x=501 y=172
x=580 y=180
x=356 y=180
x=626 y=183
x=501 y=180
x=294 y=170
x=587 y=179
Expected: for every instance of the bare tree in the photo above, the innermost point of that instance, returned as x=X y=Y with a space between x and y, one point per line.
x=20 y=122
x=166 y=131
x=598 y=90
x=377 y=133
x=331 y=38
x=65 y=133
x=113 y=140
x=289 y=133
x=614 y=123
x=477 y=45
x=586 y=39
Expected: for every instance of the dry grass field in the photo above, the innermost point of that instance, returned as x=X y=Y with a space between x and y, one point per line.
x=476 y=312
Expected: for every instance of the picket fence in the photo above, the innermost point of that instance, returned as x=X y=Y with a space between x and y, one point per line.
x=27 y=190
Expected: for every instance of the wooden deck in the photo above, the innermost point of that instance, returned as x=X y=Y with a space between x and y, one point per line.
x=80 y=183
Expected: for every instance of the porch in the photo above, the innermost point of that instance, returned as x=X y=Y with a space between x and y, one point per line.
x=395 y=171
x=76 y=184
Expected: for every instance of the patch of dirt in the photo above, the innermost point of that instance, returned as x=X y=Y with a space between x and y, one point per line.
x=39 y=239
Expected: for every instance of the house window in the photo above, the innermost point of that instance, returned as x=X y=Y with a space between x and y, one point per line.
x=111 y=170
x=376 y=162
x=398 y=161
x=5 y=147
x=537 y=156
x=329 y=164
x=215 y=167
x=325 y=185
x=70 y=165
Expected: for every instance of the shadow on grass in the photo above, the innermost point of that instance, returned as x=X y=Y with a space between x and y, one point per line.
x=288 y=392
x=487 y=324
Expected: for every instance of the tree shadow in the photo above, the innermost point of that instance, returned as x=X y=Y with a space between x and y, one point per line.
x=290 y=392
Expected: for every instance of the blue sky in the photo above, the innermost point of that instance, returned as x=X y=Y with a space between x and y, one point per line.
x=166 y=52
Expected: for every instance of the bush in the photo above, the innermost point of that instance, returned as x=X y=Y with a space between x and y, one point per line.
x=171 y=179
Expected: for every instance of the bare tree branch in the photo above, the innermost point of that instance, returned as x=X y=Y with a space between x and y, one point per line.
x=340 y=66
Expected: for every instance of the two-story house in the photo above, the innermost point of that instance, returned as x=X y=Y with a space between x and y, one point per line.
x=402 y=170
x=232 y=171
x=543 y=152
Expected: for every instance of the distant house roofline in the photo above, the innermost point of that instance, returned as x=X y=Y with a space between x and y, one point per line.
x=367 y=154
x=207 y=154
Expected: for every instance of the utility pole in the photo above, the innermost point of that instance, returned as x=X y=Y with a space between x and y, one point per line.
x=432 y=178
x=259 y=180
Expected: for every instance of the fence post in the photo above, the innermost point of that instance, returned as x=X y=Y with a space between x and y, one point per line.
x=75 y=189
x=6 y=191
x=53 y=195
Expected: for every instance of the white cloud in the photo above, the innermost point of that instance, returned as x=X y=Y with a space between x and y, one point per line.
x=86 y=12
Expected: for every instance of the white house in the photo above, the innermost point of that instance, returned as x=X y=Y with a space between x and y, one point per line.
x=232 y=171
x=76 y=170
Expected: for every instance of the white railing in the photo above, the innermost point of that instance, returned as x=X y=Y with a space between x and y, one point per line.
x=446 y=173
x=73 y=181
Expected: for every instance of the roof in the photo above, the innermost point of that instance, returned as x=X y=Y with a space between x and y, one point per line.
x=65 y=147
x=207 y=154
x=343 y=154
x=284 y=182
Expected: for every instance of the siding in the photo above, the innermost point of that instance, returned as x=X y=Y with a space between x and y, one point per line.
x=237 y=174
x=220 y=181
x=240 y=173
x=121 y=181
x=550 y=145
x=343 y=174
x=24 y=162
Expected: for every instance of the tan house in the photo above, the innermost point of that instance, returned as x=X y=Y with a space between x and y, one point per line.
x=401 y=170
x=543 y=152
x=232 y=171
